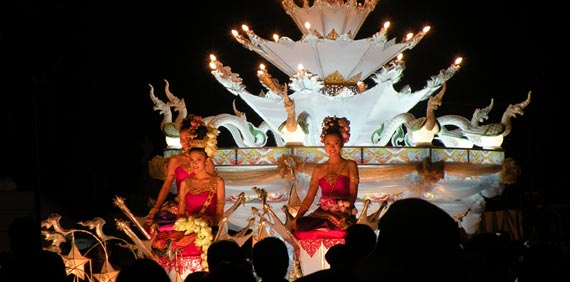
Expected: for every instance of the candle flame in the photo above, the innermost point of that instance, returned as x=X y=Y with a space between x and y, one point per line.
x=458 y=61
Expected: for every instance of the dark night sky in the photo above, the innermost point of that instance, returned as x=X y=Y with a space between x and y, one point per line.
x=86 y=127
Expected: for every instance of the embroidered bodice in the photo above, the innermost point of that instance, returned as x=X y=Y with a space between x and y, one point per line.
x=198 y=196
x=180 y=174
x=338 y=189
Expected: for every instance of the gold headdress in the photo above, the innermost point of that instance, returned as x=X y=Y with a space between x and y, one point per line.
x=201 y=135
x=208 y=142
x=192 y=124
x=331 y=124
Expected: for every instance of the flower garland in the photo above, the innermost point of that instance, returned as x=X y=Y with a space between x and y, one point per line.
x=337 y=205
x=203 y=233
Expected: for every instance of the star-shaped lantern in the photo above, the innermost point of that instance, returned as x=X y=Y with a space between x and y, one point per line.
x=75 y=262
x=108 y=274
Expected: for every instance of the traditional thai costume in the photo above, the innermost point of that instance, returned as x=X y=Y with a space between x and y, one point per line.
x=334 y=211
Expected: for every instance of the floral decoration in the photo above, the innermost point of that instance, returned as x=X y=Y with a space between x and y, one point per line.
x=196 y=121
x=337 y=205
x=203 y=232
x=288 y=162
x=212 y=141
x=342 y=123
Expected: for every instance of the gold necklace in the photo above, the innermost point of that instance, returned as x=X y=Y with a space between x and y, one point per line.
x=332 y=176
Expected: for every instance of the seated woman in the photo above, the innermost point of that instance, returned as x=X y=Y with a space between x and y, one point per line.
x=201 y=195
x=337 y=179
x=182 y=246
x=178 y=168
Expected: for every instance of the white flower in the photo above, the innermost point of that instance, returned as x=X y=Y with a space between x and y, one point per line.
x=203 y=234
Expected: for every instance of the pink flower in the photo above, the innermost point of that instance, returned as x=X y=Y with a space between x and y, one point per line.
x=327 y=203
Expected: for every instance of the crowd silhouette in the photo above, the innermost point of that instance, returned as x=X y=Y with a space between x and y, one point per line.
x=415 y=240
x=27 y=261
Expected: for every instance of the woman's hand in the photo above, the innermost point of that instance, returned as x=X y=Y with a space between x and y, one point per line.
x=149 y=220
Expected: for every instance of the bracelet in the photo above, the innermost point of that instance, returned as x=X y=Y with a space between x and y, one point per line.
x=354 y=179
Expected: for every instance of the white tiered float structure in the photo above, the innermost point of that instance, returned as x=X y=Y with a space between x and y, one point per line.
x=455 y=163
x=449 y=160
x=452 y=161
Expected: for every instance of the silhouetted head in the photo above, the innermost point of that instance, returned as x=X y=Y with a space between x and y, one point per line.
x=270 y=258
x=417 y=226
x=417 y=240
x=225 y=251
x=337 y=256
x=360 y=241
x=143 y=269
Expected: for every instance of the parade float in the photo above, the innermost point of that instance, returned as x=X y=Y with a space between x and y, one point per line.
x=452 y=161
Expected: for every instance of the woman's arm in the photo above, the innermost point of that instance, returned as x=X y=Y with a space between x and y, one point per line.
x=181 y=196
x=221 y=200
x=354 y=181
x=310 y=197
x=165 y=189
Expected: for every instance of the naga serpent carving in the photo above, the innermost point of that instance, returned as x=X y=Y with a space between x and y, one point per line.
x=488 y=136
x=453 y=137
x=168 y=127
x=244 y=133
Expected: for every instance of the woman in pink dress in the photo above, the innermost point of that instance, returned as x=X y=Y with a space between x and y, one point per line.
x=201 y=195
x=177 y=169
x=337 y=179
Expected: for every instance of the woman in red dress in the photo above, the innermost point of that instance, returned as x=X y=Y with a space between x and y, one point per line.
x=337 y=179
